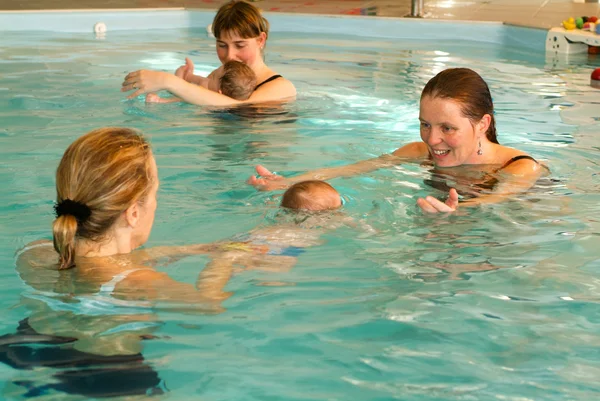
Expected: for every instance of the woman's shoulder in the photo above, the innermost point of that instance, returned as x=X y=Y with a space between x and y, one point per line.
x=273 y=87
x=38 y=254
x=516 y=161
x=412 y=150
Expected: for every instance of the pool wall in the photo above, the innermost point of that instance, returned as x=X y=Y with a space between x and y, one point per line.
x=379 y=27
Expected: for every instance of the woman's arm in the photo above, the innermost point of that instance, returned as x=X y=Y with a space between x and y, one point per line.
x=144 y=81
x=267 y=181
x=516 y=178
x=208 y=290
x=149 y=255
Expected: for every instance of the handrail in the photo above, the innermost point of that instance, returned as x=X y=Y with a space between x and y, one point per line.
x=416 y=8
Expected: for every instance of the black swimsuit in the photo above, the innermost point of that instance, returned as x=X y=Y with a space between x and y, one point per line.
x=271 y=78
x=514 y=159
x=438 y=181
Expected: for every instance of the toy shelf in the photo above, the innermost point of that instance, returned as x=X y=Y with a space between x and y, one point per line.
x=562 y=41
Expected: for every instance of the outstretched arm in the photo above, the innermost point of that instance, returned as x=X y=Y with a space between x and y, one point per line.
x=267 y=181
x=144 y=81
x=171 y=253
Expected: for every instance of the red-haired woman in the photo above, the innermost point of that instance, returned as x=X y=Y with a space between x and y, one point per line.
x=458 y=134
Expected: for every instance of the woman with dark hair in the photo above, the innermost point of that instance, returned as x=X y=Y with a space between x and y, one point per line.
x=241 y=32
x=458 y=137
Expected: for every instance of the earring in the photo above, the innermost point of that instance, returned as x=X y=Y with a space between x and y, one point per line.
x=479 y=151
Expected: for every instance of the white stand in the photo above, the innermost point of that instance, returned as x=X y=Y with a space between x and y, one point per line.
x=561 y=41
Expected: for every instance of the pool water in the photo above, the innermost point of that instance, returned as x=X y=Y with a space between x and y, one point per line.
x=499 y=302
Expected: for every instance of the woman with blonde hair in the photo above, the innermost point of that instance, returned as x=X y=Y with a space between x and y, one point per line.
x=106 y=185
x=91 y=291
x=241 y=33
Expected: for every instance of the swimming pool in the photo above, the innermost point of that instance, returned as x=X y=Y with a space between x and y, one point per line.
x=498 y=303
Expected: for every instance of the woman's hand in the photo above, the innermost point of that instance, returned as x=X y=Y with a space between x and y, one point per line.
x=144 y=81
x=186 y=71
x=266 y=180
x=433 y=205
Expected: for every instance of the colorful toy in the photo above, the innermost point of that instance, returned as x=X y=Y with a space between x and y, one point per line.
x=569 y=24
x=593 y=19
x=579 y=23
x=595 y=79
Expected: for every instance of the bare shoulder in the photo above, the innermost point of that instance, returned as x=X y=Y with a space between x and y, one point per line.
x=517 y=162
x=413 y=150
x=37 y=254
x=276 y=89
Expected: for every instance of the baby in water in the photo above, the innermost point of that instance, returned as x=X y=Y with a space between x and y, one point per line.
x=312 y=205
x=312 y=196
x=234 y=79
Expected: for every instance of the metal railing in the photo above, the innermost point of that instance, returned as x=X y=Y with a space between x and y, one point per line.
x=416 y=9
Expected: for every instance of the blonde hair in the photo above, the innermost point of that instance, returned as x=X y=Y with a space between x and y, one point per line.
x=238 y=80
x=312 y=195
x=242 y=18
x=99 y=176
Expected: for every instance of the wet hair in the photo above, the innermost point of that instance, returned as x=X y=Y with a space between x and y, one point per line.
x=238 y=80
x=240 y=17
x=311 y=195
x=99 y=176
x=466 y=87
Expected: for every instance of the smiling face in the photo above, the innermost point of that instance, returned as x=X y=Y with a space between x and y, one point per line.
x=451 y=138
x=232 y=47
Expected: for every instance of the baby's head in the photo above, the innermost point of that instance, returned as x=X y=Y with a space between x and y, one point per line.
x=234 y=79
x=311 y=195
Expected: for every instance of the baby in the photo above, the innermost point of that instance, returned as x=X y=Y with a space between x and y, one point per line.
x=311 y=196
x=280 y=244
x=234 y=79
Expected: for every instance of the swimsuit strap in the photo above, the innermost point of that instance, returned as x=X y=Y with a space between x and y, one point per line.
x=514 y=159
x=272 y=78
x=108 y=288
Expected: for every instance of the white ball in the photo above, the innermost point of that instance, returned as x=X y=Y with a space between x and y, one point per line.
x=100 y=27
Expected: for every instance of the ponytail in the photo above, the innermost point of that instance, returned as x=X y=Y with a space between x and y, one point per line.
x=64 y=230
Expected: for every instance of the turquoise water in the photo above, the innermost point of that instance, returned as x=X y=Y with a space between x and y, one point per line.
x=496 y=303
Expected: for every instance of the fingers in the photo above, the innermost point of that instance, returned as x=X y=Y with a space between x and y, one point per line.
x=452 y=200
x=152 y=98
x=261 y=170
x=130 y=81
x=433 y=205
x=425 y=206
x=132 y=75
x=128 y=87
x=136 y=94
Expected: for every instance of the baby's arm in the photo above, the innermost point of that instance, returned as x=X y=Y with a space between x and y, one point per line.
x=154 y=98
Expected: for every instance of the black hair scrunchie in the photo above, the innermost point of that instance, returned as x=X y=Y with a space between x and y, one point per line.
x=76 y=209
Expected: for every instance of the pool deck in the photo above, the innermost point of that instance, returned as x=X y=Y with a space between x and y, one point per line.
x=533 y=13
